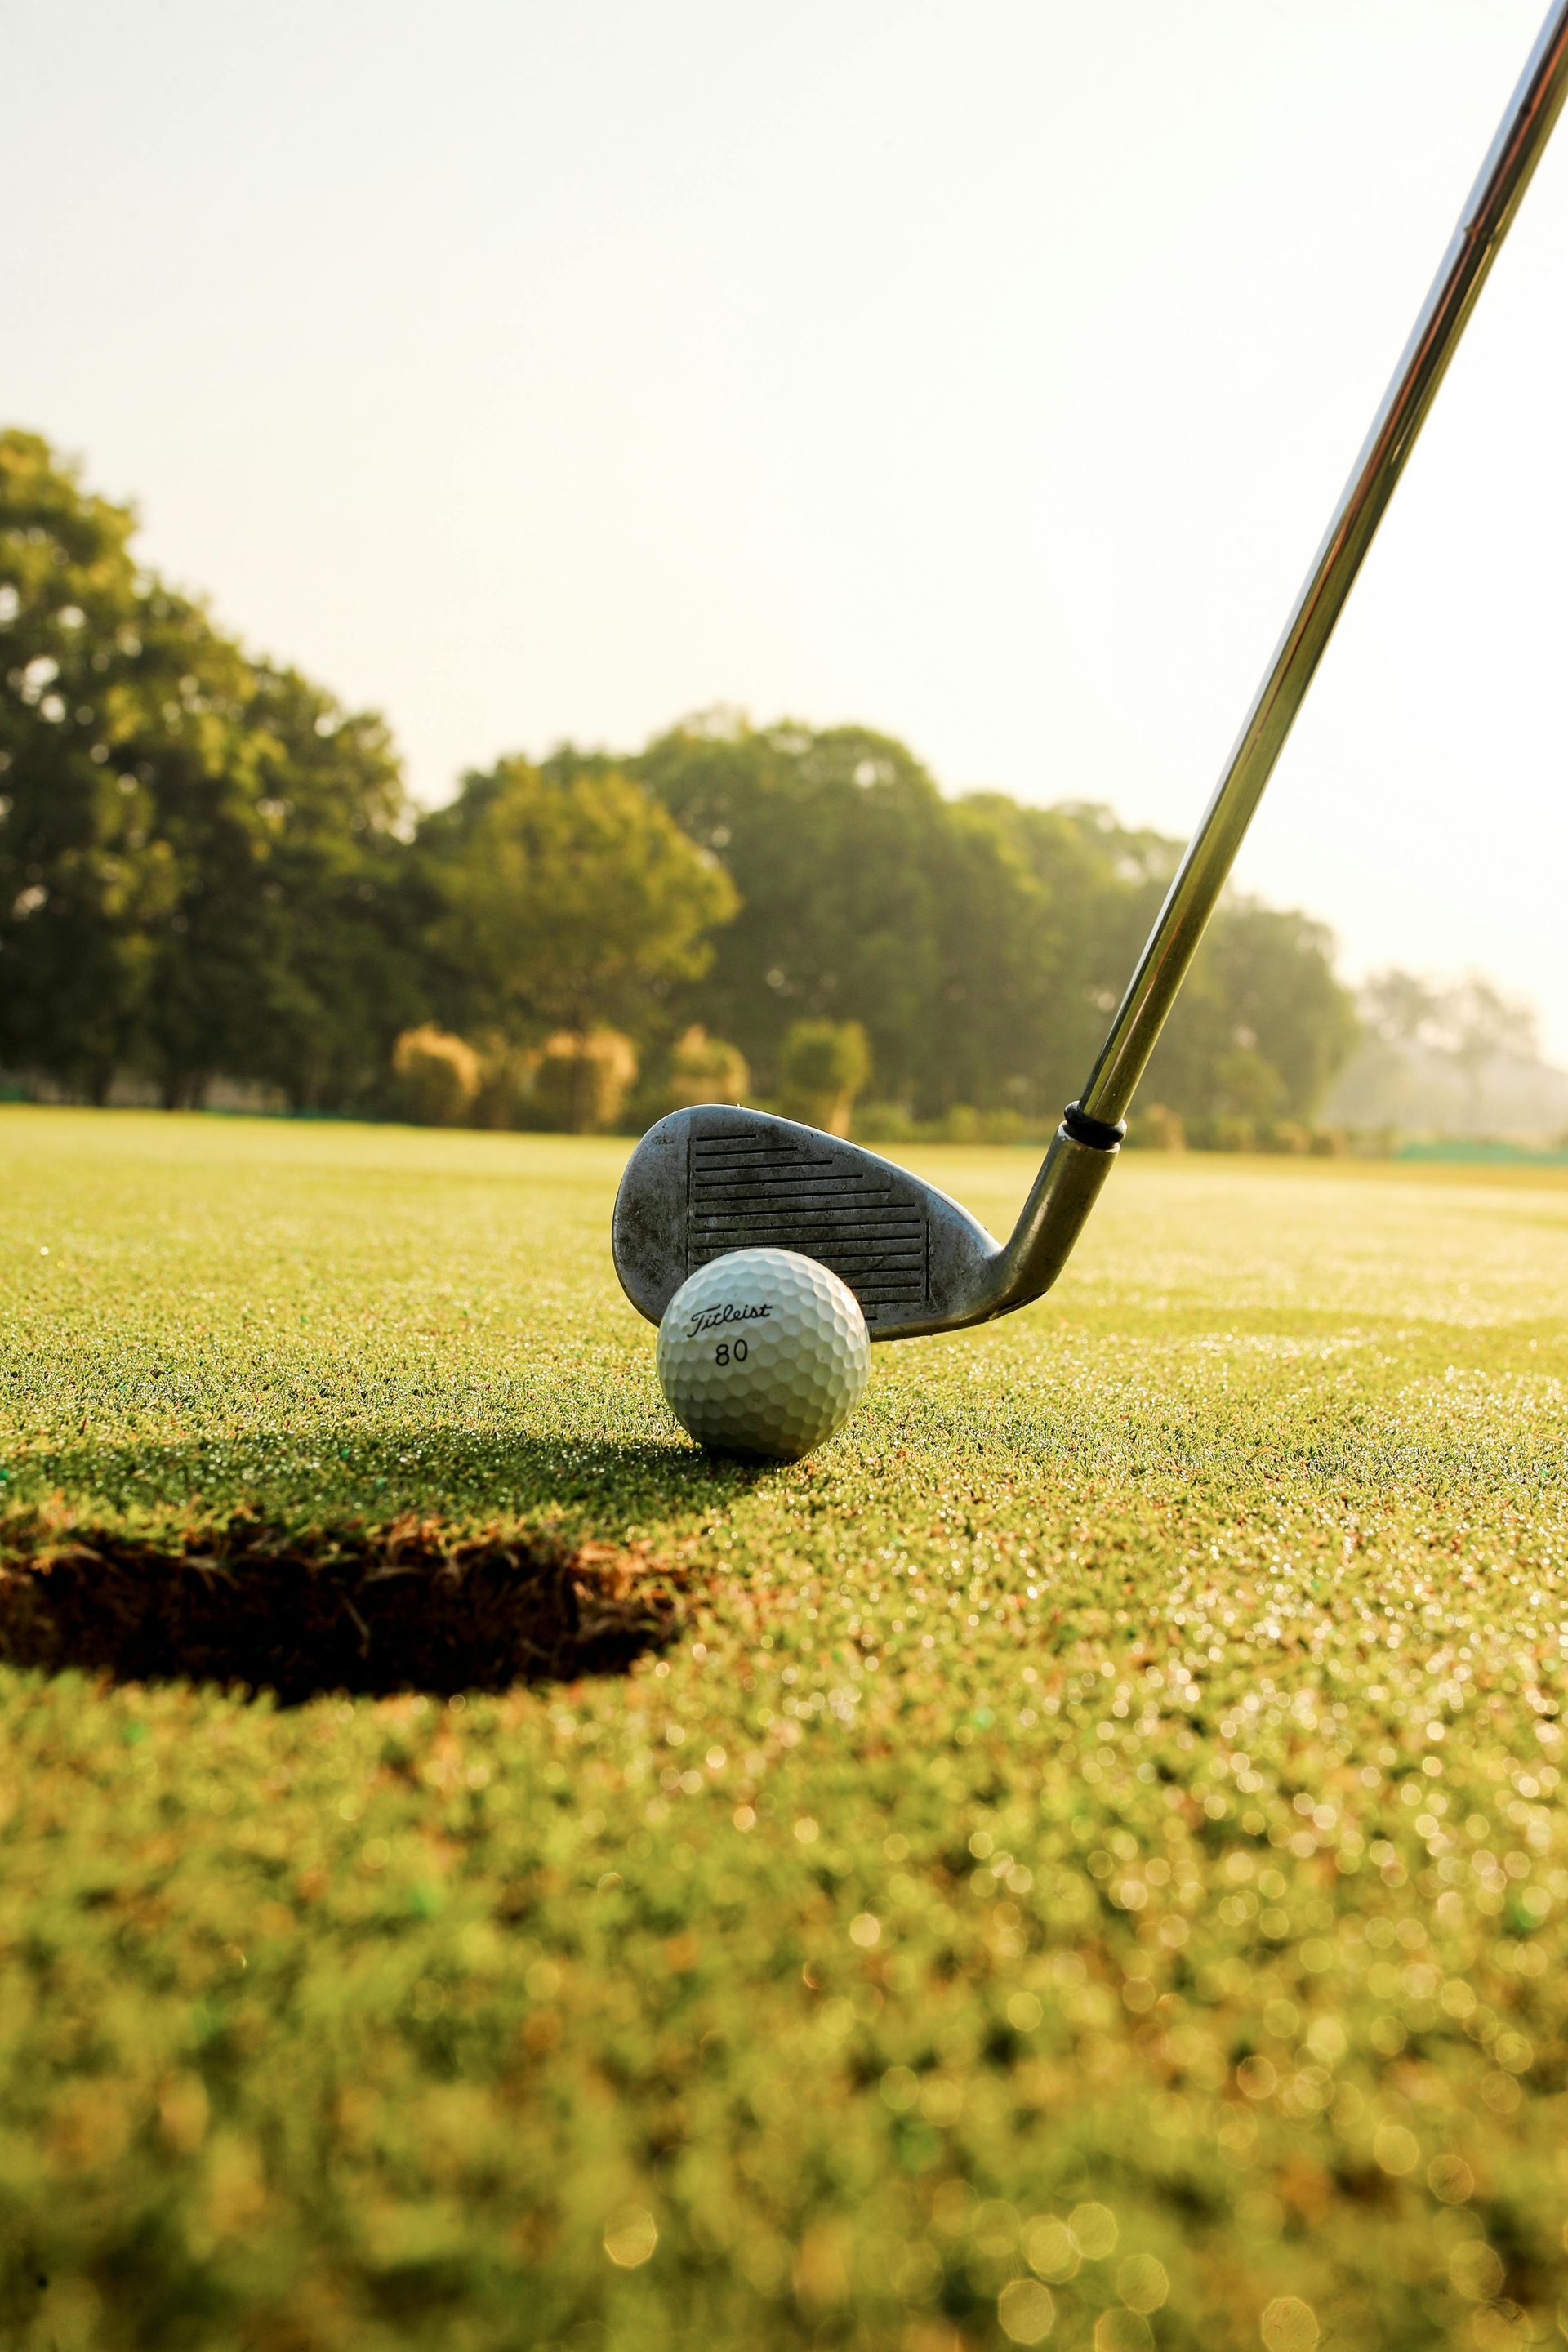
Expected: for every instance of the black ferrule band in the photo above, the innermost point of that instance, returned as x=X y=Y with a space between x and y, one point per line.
x=1097 y=1133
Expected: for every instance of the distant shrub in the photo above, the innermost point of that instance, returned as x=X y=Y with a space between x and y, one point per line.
x=507 y=1075
x=1247 y=1085
x=1292 y=1137
x=435 y=1077
x=1156 y=1130
x=705 y=1069
x=582 y=1080
x=823 y=1066
x=891 y=1123
x=1285 y=1135
x=886 y=1122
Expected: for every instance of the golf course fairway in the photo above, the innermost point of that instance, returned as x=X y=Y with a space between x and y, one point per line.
x=1083 y=1860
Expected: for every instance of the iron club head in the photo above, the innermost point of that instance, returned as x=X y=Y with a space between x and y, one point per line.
x=719 y=1178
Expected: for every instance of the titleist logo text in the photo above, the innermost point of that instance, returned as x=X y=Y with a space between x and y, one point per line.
x=711 y=1317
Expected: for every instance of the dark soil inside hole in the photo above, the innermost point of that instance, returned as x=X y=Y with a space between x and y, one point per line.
x=404 y=1608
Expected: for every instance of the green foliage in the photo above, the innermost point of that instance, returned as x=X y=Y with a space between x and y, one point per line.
x=823 y=1066
x=1263 y=986
x=83 y=880
x=858 y=901
x=980 y=942
x=340 y=906
x=1182 y=1930
x=198 y=864
x=565 y=901
x=207 y=869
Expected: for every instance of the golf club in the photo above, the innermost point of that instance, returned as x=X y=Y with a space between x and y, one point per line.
x=718 y=1178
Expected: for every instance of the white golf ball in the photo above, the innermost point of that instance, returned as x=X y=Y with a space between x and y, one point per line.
x=763 y=1351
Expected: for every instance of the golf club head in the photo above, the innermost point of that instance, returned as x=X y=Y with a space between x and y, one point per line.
x=721 y=1178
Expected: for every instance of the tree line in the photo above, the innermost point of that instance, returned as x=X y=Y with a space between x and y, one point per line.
x=210 y=868
x=1449 y=1061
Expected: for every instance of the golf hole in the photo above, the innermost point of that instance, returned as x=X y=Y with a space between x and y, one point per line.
x=406 y=1608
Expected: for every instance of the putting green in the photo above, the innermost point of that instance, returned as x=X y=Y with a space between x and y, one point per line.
x=1091 y=1867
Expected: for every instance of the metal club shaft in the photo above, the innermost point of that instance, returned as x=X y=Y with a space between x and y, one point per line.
x=1201 y=876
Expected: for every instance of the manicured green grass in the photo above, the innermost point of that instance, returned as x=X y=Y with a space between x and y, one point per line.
x=1092 y=1869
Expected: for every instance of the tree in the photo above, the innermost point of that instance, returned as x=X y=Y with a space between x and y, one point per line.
x=821 y=836
x=823 y=1066
x=1474 y=1025
x=337 y=894
x=205 y=867
x=1262 y=987
x=980 y=943
x=867 y=897
x=1399 y=1007
x=84 y=882
x=1093 y=887
x=564 y=902
x=207 y=959
x=200 y=861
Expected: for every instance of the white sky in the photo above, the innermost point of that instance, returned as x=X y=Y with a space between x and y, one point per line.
x=983 y=373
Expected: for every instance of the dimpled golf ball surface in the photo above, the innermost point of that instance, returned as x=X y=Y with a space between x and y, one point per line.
x=763 y=1352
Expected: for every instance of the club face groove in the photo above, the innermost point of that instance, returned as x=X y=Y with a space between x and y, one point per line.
x=706 y=1181
x=760 y=1192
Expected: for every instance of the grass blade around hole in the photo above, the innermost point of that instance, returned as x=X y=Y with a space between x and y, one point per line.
x=408 y=1607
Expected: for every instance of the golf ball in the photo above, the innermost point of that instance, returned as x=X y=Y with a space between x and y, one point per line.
x=763 y=1351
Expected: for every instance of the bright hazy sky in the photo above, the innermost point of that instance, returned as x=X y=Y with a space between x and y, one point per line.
x=536 y=368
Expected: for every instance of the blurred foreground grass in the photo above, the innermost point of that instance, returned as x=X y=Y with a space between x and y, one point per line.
x=1093 y=1871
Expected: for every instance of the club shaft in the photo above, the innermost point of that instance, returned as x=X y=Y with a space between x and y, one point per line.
x=1202 y=874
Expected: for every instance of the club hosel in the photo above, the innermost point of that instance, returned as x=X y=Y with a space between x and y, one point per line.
x=1055 y=1213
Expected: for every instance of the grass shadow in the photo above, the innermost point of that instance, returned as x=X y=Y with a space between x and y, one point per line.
x=404 y=1607
x=598 y=1487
